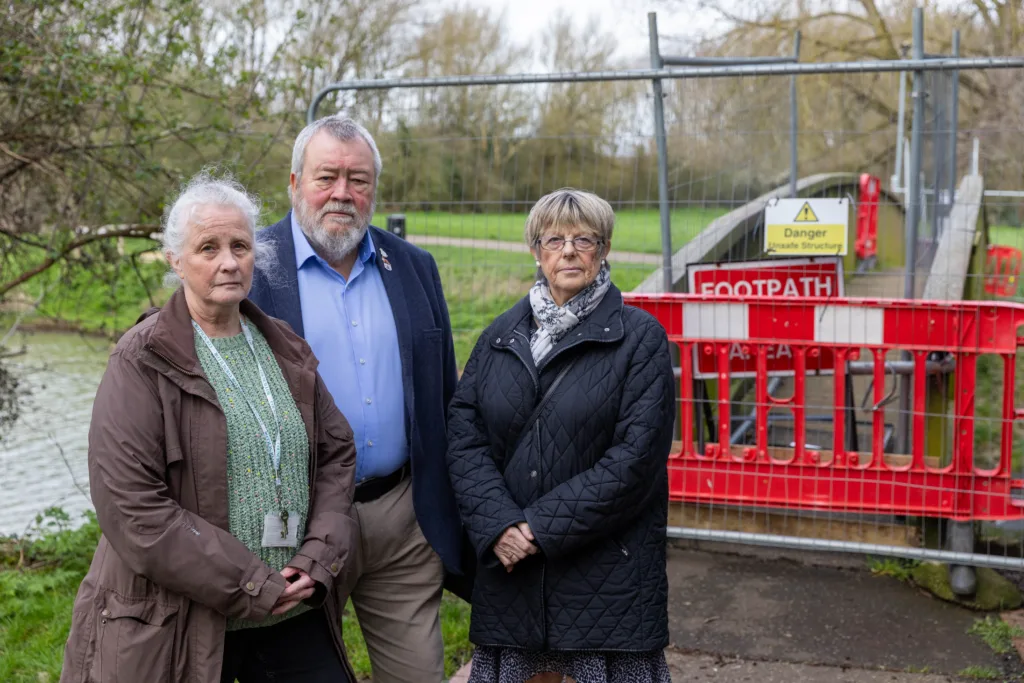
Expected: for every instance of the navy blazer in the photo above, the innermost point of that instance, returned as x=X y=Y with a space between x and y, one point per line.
x=429 y=373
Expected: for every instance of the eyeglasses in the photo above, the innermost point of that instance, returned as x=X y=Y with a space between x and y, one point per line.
x=583 y=244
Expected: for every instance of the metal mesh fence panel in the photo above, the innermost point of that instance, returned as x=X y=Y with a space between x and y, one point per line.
x=864 y=436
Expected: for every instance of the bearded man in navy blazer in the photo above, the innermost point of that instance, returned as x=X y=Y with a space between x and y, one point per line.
x=371 y=307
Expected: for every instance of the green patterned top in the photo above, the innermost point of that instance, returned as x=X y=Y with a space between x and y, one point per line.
x=251 y=490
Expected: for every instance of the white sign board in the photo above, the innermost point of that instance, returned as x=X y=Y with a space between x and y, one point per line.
x=807 y=227
x=778 y=278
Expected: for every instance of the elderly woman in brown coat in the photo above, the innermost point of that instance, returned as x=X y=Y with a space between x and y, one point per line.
x=221 y=472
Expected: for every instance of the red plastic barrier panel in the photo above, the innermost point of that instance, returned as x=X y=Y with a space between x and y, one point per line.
x=868 y=480
x=1002 y=269
x=867 y=217
x=785 y=278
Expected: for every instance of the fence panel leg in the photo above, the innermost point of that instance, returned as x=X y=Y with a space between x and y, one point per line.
x=960 y=538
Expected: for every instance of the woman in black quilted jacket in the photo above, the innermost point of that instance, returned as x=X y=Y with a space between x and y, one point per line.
x=559 y=434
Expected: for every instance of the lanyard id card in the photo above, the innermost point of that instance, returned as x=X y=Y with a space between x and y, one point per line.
x=281 y=530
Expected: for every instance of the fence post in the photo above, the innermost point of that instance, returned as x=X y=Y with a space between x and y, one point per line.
x=900 y=126
x=659 y=134
x=954 y=121
x=913 y=198
x=793 y=121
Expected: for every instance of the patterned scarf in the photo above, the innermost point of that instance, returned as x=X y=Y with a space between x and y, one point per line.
x=554 y=321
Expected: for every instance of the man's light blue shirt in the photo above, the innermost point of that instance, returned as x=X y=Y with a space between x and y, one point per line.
x=351 y=329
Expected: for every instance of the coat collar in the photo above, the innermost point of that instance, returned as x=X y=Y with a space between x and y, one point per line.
x=603 y=325
x=173 y=338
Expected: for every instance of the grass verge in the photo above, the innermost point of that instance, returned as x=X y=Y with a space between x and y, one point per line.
x=980 y=673
x=637 y=230
x=996 y=633
x=893 y=567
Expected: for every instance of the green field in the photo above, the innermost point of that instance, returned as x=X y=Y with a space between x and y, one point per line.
x=1011 y=237
x=635 y=231
x=480 y=284
x=1006 y=234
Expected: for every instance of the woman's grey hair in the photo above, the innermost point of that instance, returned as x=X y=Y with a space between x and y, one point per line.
x=571 y=207
x=340 y=128
x=204 y=189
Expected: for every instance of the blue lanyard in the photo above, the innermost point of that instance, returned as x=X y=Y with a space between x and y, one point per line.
x=273 y=445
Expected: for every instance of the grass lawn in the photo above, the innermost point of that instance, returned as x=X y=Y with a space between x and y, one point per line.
x=1006 y=234
x=96 y=296
x=481 y=284
x=1011 y=237
x=635 y=231
x=454 y=630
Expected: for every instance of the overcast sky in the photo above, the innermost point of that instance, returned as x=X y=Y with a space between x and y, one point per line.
x=627 y=19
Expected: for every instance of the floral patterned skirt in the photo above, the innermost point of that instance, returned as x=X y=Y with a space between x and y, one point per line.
x=510 y=665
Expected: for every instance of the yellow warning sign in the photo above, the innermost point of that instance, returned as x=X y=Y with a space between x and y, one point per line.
x=806 y=214
x=801 y=238
x=809 y=227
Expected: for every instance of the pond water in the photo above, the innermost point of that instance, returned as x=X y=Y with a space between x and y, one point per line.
x=43 y=458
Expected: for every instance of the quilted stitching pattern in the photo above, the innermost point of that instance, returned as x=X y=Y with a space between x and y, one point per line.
x=589 y=476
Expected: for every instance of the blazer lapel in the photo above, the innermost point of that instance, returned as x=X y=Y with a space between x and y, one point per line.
x=285 y=298
x=392 y=278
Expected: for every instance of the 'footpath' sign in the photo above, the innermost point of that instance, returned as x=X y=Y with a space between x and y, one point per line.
x=807 y=227
x=779 y=278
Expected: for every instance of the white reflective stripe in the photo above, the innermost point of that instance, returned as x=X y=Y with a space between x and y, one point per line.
x=852 y=325
x=716 y=321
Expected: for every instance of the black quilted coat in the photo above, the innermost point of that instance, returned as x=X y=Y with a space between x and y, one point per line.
x=589 y=476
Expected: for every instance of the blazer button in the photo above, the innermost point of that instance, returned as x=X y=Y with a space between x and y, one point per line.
x=334 y=568
x=250 y=586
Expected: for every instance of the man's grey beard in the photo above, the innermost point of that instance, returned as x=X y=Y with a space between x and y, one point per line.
x=332 y=246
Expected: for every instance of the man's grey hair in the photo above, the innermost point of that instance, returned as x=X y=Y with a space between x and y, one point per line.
x=571 y=207
x=340 y=128
x=204 y=189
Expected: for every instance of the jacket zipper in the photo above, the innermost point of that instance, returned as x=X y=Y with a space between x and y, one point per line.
x=515 y=350
x=536 y=428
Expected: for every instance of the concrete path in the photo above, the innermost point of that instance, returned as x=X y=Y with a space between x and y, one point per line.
x=763 y=619
x=499 y=245
x=784 y=611
x=693 y=668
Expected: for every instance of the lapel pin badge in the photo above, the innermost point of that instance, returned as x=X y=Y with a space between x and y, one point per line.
x=384 y=259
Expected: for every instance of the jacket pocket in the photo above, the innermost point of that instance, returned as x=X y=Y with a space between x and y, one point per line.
x=134 y=640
